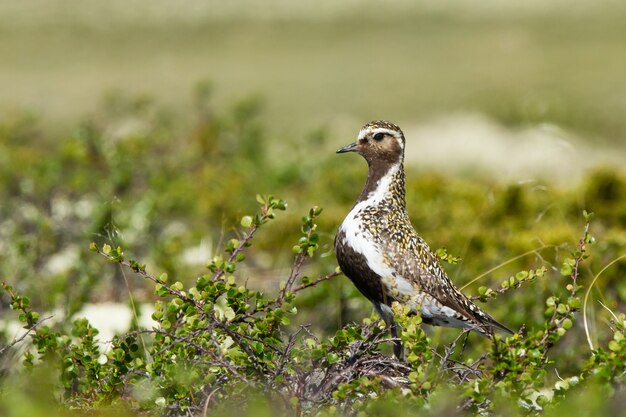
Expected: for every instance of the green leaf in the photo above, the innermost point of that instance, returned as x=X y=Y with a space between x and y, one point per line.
x=561 y=385
x=222 y=309
x=521 y=275
x=246 y=221
x=574 y=302
x=566 y=269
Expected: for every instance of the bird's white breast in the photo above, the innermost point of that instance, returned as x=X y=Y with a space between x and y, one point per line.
x=361 y=240
x=356 y=235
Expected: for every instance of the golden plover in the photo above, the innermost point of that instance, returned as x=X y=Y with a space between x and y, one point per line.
x=378 y=249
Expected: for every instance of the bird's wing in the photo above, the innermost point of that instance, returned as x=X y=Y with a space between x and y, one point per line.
x=412 y=259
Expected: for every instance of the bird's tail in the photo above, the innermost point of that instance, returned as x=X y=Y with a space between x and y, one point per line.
x=488 y=325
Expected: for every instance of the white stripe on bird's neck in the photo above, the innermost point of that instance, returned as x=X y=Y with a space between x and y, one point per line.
x=382 y=187
x=382 y=191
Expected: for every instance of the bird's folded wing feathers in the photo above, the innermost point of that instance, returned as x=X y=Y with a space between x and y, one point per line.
x=416 y=263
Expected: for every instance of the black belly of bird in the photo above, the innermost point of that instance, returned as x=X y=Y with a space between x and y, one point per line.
x=354 y=266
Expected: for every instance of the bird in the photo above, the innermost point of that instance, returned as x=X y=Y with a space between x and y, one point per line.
x=378 y=249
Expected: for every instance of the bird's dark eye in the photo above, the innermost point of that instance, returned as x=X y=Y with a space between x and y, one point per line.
x=379 y=136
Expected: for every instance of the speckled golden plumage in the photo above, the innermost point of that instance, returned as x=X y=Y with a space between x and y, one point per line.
x=379 y=250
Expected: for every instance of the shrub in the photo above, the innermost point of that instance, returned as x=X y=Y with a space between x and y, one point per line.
x=219 y=346
x=233 y=340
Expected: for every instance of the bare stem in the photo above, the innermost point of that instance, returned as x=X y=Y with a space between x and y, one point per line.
x=316 y=281
x=22 y=337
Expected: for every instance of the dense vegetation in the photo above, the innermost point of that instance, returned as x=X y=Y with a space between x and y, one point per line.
x=269 y=326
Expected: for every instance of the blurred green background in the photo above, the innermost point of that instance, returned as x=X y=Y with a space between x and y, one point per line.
x=154 y=124
x=329 y=63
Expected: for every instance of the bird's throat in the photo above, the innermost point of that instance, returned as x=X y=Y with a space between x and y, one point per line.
x=384 y=181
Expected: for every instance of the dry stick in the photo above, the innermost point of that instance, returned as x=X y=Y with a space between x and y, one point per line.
x=464 y=371
x=295 y=272
x=305 y=328
x=469 y=369
x=450 y=349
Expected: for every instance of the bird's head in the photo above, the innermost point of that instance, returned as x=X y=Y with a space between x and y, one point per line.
x=378 y=141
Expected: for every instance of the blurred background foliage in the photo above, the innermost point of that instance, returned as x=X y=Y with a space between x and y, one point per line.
x=154 y=127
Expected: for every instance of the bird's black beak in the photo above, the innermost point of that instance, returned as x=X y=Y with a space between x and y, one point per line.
x=349 y=148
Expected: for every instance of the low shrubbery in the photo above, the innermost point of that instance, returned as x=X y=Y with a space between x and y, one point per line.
x=271 y=327
x=220 y=346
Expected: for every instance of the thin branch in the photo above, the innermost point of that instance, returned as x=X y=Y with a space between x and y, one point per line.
x=556 y=324
x=293 y=275
x=267 y=213
x=450 y=349
x=142 y=272
x=582 y=249
x=22 y=337
x=316 y=281
x=242 y=244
